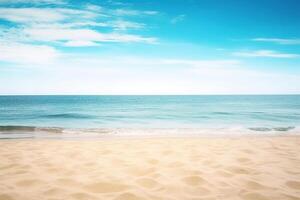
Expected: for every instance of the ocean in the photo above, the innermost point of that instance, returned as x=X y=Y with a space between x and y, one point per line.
x=256 y=113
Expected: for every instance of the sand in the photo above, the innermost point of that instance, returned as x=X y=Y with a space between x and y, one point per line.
x=250 y=168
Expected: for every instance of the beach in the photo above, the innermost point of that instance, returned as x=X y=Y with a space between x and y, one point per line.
x=169 y=168
x=149 y=100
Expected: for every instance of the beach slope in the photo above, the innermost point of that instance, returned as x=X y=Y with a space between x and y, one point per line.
x=250 y=168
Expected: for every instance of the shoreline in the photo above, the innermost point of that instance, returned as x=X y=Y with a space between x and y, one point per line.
x=23 y=132
x=154 y=137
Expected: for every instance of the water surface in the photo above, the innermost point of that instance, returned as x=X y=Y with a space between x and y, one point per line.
x=253 y=112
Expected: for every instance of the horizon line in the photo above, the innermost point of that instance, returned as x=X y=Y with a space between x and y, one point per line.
x=254 y=94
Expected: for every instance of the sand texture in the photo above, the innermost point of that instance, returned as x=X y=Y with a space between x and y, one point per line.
x=262 y=168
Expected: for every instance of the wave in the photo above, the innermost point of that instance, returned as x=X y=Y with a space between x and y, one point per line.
x=17 y=128
x=68 y=116
x=265 y=129
x=60 y=129
x=222 y=113
x=19 y=132
x=26 y=129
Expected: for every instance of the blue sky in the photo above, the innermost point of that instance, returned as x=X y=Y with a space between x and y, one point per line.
x=150 y=47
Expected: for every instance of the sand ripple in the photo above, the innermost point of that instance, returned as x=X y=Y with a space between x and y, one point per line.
x=151 y=169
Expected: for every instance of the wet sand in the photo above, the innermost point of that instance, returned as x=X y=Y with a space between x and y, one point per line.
x=250 y=168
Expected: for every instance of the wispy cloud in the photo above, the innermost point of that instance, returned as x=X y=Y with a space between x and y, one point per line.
x=118 y=3
x=87 y=35
x=278 y=40
x=177 y=19
x=27 y=54
x=131 y=12
x=71 y=27
x=94 y=7
x=37 y=2
x=43 y=15
x=265 y=53
x=202 y=63
x=124 y=25
x=80 y=43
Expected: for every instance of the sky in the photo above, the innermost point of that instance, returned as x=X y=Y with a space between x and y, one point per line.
x=149 y=47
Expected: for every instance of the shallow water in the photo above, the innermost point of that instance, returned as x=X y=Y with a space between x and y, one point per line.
x=263 y=113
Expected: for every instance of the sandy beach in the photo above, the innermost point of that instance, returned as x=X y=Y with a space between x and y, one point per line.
x=250 y=168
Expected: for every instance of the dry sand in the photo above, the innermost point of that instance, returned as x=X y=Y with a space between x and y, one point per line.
x=159 y=168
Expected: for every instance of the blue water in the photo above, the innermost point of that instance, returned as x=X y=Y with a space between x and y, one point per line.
x=254 y=112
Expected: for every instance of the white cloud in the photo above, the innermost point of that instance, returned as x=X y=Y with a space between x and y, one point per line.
x=278 y=40
x=66 y=25
x=69 y=27
x=42 y=15
x=57 y=34
x=118 y=3
x=124 y=25
x=27 y=54
x=265 y=53
x=150 y=12
x=93 y=7
x=52 y=35
x=130 y=12
x=80 y=43
x=115 y=37
x=29 y=15
x=33 y=1
x=115 y=24
x=177 y=19
x=202 y=63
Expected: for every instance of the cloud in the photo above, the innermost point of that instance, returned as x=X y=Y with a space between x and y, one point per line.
x=177 y=19
x=27 y=54
x=278 y=40
x=37 y=2
x=265 y=53
x=202 y=63
x=130 y=12
x=118 y=3
x=29 y=15
x=124 y=25
x=64 y=25
x=61 y=35
x=71 y=27
x=93 y=7
x=42 y=15
x=121 y=25
x=80 y=43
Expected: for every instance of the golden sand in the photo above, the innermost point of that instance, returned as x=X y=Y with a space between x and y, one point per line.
x=159 y=168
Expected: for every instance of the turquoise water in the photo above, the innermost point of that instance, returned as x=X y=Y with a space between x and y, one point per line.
x=259 y=112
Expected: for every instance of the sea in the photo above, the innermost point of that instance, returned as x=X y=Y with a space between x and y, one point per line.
x=58 y=115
